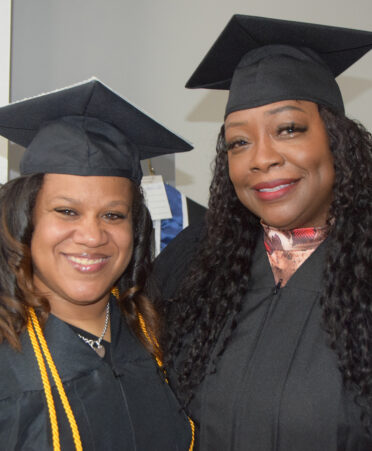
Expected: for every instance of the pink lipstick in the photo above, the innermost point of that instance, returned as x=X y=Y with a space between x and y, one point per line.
x=274 y=189
x=87 y=263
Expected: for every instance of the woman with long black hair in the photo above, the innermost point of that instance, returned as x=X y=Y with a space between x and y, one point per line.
x=269 y=323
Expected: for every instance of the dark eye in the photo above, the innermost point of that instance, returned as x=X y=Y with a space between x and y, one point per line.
x=66 y=211
x=111 y=216
x=236 y=144
x=291 y=129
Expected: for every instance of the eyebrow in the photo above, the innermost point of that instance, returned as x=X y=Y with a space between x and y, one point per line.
x=114 y=203
x=67 y=199
x=284 y=108
x=234 y=124
x=270 y=112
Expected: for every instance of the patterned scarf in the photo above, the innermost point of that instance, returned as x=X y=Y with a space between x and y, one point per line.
x=288 y=249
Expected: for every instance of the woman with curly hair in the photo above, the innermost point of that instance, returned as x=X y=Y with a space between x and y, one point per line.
x=77 y=331
x=269 y=334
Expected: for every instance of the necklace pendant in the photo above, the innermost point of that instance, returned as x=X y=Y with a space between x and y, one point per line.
x=96 y=344
x=100 y=350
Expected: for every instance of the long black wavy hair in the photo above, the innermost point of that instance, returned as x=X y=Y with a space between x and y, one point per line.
x=218 y=278
x=17 y=201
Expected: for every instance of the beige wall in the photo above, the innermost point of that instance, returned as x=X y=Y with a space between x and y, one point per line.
x=5 y=28
x=147 y=49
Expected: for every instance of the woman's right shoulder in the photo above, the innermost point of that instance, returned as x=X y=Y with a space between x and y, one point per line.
x=18 y=370
x=172 y=264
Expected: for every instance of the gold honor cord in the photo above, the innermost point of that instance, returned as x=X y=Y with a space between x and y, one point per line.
x=32 y=327
x=46 y=385
x=42 y=354
x=151 y=339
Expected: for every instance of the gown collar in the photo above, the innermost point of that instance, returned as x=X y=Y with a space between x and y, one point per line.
x=262 y=276
x=72 y=357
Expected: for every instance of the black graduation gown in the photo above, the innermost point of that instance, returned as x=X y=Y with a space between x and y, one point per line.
x=277 y=385
x=124 y=407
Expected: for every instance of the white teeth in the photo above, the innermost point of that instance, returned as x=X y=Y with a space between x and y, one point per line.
x=276 y=188
x=85 y=261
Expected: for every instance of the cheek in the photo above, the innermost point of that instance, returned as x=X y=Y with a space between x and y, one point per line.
x=42 y=248
x=327 y=175
x=40 y=238
x=322 y=167
x=237 y=173
x=124 y=242
x=241 y=179
x=47 y=234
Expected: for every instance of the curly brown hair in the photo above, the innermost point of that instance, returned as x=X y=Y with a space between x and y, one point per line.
x=17 y=201
x=219 y=276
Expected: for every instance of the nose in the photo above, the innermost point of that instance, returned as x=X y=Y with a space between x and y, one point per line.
x=90 y=232
x=265 y=155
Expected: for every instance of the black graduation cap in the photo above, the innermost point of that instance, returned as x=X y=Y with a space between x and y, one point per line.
x=85 y=129
x=264 y=60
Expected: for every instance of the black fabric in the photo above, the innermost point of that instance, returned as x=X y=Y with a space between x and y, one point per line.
x=277 y=385
x=79 y=145
x=126 y=406
x=196 y=212
x=321 y=54
x=278 y=72
x=85 y=129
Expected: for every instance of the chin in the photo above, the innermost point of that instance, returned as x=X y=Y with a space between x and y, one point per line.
x=284 y=224
x=88 y=296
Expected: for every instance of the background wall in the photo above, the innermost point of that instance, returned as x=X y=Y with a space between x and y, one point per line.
x=146 y=50
x=5 y=27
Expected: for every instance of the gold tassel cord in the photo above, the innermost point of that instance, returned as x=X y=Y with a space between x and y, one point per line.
x=57 y=381
x=150 y=339
x=47 y=387
x=192 y=426
x=42 y=354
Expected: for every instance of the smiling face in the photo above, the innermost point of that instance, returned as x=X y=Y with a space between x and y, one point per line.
x=83 y=238
x=280 y=163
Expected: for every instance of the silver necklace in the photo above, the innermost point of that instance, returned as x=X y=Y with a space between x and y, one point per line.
x=96 y=344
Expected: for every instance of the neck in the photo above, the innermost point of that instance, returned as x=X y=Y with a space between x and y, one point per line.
x=269 y=227
x=90 y=318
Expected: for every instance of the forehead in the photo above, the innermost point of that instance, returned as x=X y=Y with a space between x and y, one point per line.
x=85 y=188
x=272 y=110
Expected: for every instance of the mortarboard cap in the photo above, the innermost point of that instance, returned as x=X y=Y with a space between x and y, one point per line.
x=264 y=60
x=85 y=129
